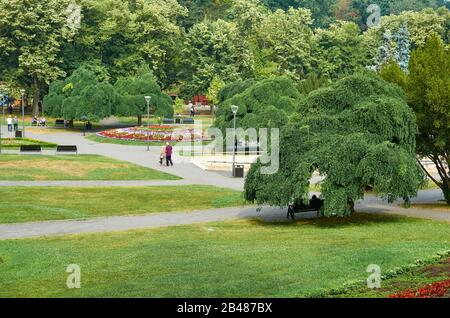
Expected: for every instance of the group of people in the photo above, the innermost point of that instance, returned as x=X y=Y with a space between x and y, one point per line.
x=39 y=121
x=13 y=123
x=166 y=155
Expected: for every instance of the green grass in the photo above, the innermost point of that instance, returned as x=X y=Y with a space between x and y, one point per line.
x=58 y=203
x=15 y=143
x=229 y=259
x=71 y=167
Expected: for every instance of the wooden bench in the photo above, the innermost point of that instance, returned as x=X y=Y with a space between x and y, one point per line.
x=188 y=121
x=60 y=123
x=66 y=149
x=168 y=121
x=315 y=204
x=30 y=148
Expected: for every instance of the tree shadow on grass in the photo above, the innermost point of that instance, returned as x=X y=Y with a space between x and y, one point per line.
x=357 y=219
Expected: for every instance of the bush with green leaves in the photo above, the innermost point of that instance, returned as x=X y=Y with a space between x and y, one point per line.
x=357 y=133
x=263 y=104
x=81 y=96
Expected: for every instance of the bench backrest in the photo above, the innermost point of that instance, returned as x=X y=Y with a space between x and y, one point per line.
x=188 y=121
x=59 y=122
x=30 y=148
x=168 y=121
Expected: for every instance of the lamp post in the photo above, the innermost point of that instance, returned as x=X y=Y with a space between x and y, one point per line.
x=234 y=109
x=22 y=92
x=1 y=122
x=147 y=100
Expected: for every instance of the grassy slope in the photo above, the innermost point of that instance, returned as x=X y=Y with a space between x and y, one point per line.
x=53 y=203
x=70 y=167
x=242 y=258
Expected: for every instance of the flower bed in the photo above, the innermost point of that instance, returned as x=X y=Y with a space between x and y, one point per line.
x=435 y=290
x=155 y=133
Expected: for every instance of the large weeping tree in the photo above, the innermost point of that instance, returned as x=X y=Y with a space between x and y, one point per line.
x=357 y=133
x=428 y=93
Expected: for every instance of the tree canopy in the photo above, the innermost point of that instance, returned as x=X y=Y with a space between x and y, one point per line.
x=358 y=132
x=263 y=104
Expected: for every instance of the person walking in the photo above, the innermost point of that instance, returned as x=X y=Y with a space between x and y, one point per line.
x=169 y=151
x=162 y=155
x=192 y=110
x=15 y=123
x=9 y=121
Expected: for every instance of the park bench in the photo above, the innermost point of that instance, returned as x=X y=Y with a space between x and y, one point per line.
x=30 y=148
x=315 y=204
x=60 y=123
x=168 y=121
x=66 y=149
x=188 y=121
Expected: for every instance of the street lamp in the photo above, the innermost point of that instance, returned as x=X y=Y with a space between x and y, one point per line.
x=1 y=122
x=22 y=92
x=234 y=109
x=147 y=100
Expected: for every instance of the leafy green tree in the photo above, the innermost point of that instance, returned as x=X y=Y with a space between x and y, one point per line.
x=428 y=94
x=289 y=37
x=32 y=33
x=263 y=104
x=132 y=90
x=81 y=95
x=341 y=50
x=215 y=49
x=393 y=73
x=358 y=132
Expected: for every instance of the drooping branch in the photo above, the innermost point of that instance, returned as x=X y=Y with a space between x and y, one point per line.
x=428 y=174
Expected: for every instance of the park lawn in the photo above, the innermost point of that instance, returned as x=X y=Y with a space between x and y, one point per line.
x=243 y=258
x=20 y=204
x=15 y=143
x=71 y=167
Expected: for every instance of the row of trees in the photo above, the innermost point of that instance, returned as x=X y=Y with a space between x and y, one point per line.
x=197 y=46
x=86 y=94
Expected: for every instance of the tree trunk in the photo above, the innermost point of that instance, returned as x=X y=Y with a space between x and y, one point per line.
x=139 y=120
x=351 y=206
x=36 y=96
x=446 y=190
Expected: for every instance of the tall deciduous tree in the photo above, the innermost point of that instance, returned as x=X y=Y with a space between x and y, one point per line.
x=429 y=95
x=356 y=133
x=32 y=33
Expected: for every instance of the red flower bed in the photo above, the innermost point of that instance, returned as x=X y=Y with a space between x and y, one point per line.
x=154 y=133
x=435 y=290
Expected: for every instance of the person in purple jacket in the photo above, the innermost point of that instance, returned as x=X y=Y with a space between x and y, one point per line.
x=169 y=151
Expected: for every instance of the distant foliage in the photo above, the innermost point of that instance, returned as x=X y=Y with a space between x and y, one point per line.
x=265 y=104
x=358 y=132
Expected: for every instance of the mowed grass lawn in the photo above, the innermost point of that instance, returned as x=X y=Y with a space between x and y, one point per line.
x=18 y=204
x=72 y=167
x=229 y=259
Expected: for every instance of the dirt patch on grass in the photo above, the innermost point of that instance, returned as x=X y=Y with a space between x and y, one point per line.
x=65 y=167
x=439 y=269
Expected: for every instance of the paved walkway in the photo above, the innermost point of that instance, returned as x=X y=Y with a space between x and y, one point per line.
x=268 y=214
